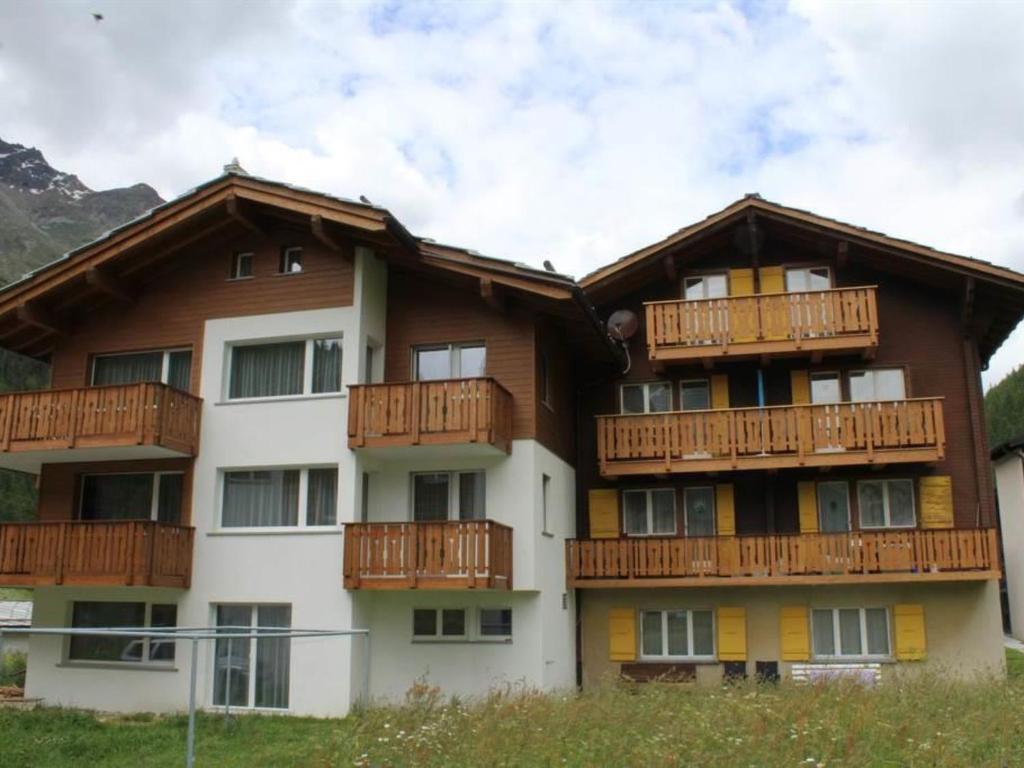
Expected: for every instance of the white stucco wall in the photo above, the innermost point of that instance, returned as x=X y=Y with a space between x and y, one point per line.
x=1009 y=471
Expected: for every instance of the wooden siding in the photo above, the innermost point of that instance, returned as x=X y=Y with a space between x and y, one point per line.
x=556 y=419
x=465 y=554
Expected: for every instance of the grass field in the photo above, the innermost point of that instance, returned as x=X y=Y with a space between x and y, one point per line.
x=926 y=722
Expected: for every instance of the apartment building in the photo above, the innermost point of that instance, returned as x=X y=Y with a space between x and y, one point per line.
x=270 y=407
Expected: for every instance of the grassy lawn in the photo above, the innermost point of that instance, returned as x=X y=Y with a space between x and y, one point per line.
x=925 y=722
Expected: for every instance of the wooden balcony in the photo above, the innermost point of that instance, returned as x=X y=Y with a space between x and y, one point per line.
x=839 y=320
x=102 y=553
x=821 y=558
x=123 y=421
x=471 y=554
x=771 y=438
x=476 y=413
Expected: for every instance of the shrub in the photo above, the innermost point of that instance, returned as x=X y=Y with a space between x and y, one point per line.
x=12 y=669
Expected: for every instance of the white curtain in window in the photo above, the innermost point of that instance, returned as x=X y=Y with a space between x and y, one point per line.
x=322 y=502
x=169 y=497
x=179 y=370
x=430 y=497
x=273 y=658
x=267 y=370
x=471 y=496
x=262 y=498
x=326 y=365
x=232 y=654
x=703 y=633
x=127 y=369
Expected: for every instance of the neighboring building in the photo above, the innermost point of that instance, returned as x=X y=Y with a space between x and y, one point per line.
x=1008 y=463
x=15 y=614
x=273 y=407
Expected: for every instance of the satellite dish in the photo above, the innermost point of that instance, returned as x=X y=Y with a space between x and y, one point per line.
x=622 y=325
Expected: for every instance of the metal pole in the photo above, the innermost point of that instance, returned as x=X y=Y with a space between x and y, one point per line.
x=366 y=670
x=190 y=757
x=227 y=685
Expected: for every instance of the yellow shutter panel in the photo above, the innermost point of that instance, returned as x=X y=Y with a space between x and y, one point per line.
x=908 y=629
x=741 y=282
x=773 y=279
x=935 y=500
x=604 y=513
x=719 y=391
x=732 y=634
x=725 y=509
x=622 y=634
x=799 y=387
x=795 y=633
x=807 y=496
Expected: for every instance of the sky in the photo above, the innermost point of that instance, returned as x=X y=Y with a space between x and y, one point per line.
x=573 y=132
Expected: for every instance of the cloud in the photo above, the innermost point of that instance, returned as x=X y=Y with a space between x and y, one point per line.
x=572 y=131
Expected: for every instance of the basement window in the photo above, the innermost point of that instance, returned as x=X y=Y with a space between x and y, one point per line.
x=677 y=634
x=439 y=623
x=850 y=632
x=121 y=649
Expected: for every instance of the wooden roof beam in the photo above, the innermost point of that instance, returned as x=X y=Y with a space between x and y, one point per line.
x=32 y=314
x=756 y=237
x=316 y=222
x=490 y=294
x=669 y=263
x=105 y=282
x=236 y=213
x=967 y=305
x=842 y=254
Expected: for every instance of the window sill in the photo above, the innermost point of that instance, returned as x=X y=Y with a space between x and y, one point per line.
x=548 y=534
x=239 y=279
x=834 y=660
x=460 y=641
x=123 y=666
x=289 y=274
x=281 y=398
x=279 y=531
x=702 y=661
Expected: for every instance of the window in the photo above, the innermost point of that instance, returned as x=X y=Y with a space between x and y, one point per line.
x=886 y=503
x=440 y=496
x=241 y=266
x=545 y=494
x=699 y=510
x=439 y=623
x=834 y=507
x=544 y=376
x=450 y=361
x=304 y=367
x=496 y=623
x=695 y=395
x=370 y=375
x=649 y=512
x=842 y=632
x=236 y=658
x=825 y=388
x=132 y=496
x=808 y=279
x=364 y=504
x=291 y=261
x=705 y=287
x=877 y=384
x=677 y=635
x=117 y=649
x=172 y=367
x=651 y=397
x=273 y=497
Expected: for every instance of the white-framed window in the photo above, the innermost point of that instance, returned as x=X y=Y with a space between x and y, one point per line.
x=285 y=368
x=439 y=624
x=273 y=498
x=545 y=499
x=839 y=633
x=825 y=388
x=494 y=623
x=291 y=260
x=433 y=362
x=834 y=506
x=252 y=673
x=677 y=634
x=648 y=397
x=130 y=650
x=132 y=496
x=241 y=265
x=886 y=503
x=649 y=512
x=169 y=366
x=801 y=279
x=449 y=495
x=695 y=395
x=712 y=286
x=699 y=510
x=875 y=384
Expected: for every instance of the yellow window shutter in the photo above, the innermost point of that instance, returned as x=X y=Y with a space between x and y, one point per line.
x=725 y=509
x=799 y=387
x=908 y=629
x=741 y=282
x=795 y=633
x=622 y=634
x=732 y=634
x=719 y=391
x=773 y=279
x=807 y=496
x=604 y=513
x=935 y=500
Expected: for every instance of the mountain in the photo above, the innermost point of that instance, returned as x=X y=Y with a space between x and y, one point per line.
x=45 y=212
x=1004 y=408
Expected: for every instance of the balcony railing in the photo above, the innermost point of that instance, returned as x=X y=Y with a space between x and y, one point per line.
x=119 y=553
x=892 y=555
x=445 y=412
x=838 y=320
x=453 y=555
x=769 y=438
x=117 y=416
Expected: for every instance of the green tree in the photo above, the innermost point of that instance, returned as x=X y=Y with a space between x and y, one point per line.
x=1004 y=408
x=18 y=495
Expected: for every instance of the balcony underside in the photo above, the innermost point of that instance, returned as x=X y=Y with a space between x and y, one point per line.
x=862 y=344
x=443 y=447
x=780 y=581
x=30 y=456
x=428 y=582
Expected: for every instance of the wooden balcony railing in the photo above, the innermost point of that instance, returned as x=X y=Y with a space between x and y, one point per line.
x=774 y=437
x=906 y=555
x=842 y=319
x=430 y=412
x=149 y=414
x=121 y=552
x=454 y=555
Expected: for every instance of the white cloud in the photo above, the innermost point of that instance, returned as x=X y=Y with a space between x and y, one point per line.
x=572 y=131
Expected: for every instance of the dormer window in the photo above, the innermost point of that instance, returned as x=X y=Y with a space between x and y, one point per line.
x=808 y=279
x=291 y=261
x=705 y=287
x=241 y=266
